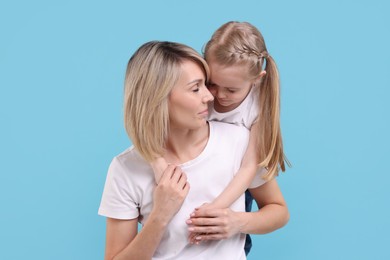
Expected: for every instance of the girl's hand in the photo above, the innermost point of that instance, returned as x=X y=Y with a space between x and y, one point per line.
x=213 y=224
x=192 y=235
x=170 y=193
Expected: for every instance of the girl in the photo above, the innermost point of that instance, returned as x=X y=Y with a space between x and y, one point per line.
x=245 y=83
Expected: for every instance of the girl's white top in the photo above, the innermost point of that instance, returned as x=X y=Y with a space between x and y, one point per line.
x=245 y=114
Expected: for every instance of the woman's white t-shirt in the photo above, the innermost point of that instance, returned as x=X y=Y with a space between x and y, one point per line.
x=128 y=193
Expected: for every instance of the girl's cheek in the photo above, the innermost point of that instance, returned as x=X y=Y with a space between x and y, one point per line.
x=213 y=91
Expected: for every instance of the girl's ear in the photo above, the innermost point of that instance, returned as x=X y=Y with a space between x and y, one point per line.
x=262 y=74
x=258 y=78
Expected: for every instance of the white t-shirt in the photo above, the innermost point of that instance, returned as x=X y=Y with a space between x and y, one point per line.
x=128 y=193
x=245 y=114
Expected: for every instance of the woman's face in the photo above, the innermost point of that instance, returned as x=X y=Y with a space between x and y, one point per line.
x=229 y=85
x=188 y=100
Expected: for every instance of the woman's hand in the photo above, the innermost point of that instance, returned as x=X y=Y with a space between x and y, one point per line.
x=170 y=193
x=122 y=239
x=213 y=224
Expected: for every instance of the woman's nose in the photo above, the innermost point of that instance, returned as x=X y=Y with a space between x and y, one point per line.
x=208 y=97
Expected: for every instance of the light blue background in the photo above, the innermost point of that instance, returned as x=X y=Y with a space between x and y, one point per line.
x=62 y=65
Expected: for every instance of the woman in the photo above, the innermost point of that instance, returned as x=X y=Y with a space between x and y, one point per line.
x=165 y=115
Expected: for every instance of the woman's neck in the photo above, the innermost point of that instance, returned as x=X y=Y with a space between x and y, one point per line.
x=185 y=145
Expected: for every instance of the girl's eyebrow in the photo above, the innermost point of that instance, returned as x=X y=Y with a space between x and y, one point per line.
x=230 y=88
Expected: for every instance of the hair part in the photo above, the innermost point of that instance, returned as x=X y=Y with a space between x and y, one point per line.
x=151 y=73
x=241 y=43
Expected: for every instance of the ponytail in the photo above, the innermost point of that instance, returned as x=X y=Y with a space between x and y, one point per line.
x=269 y=143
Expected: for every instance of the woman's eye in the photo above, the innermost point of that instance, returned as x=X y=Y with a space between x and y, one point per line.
x=195 y=88
x=231 y=91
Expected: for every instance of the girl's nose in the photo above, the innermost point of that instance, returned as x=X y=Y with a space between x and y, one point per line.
x=220 y=94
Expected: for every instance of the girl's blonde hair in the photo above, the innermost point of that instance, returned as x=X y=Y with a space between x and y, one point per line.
x=151 y=73
x=240 y=43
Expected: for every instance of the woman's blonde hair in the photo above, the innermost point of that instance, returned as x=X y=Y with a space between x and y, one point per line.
x=151 y=73
x=240 y=43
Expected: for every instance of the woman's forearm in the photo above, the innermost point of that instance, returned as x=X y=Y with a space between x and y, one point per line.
x=269 y=218
x=273 y=212
x=145 y=242
x=168 y=195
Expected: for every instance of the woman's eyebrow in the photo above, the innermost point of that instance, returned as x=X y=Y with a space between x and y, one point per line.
x=194 y=81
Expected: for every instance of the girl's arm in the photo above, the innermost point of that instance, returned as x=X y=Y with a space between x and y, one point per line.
x=216 y=224
x=122 y=240
x=243 y=177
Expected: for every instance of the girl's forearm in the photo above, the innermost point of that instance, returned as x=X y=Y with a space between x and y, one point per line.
x=237 y=186
x=243 y=178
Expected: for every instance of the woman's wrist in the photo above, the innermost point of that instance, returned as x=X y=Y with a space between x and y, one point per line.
x=242 y=221
x=159 y=220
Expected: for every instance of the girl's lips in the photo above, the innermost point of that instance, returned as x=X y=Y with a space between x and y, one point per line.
x=223 y=101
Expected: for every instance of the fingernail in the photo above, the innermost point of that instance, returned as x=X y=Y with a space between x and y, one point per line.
x=198 y=238
x=189 y=221
x=191 y=229
x=192 y=214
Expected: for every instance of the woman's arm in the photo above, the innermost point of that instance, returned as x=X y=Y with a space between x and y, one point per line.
x=216 y=224
x=243 y=178
x=158 y=166
x=122 y=240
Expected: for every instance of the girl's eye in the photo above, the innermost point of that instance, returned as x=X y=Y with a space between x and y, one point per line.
x=231 y=91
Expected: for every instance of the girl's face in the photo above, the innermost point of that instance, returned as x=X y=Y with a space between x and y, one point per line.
x=188 y=100
x=229 y=85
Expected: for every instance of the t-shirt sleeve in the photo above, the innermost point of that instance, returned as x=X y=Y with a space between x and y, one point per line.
x=118 y=197
x=258 y=180
x=251 y=114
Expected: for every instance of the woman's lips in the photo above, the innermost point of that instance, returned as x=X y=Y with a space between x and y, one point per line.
x=204 y=113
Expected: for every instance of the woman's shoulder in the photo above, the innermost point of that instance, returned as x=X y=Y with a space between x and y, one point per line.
x=129 y=159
